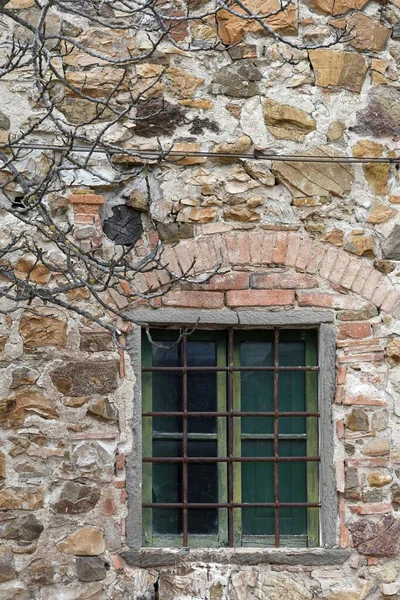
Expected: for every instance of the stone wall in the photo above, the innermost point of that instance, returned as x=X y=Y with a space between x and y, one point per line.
x=283 y=237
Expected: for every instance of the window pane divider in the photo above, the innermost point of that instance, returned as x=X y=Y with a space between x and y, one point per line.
x=147 y=447
x=237 y=442
x=313 y=515
x=271 y=436
x=222 y=448
x=165 y=435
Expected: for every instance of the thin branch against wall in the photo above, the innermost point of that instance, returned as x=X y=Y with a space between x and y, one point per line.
x=60 y=47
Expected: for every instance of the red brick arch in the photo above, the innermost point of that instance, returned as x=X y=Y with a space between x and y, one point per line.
x=263 y=268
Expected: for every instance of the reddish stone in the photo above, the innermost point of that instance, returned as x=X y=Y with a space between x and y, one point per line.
x=116 y=562
x=363 y=358
x=328 y=262
x=294 y=240
x=391 y=301
x=260 y=298
x=354 y=330
x=316 y=257
x=376 y=539
x=375 y=508
x=340 y=428
x=120 y=461
x=189 y=299
x=235 y=280
x=350 y=273
x=280 y=248
x=285 y=280
x=341 y=376
x=367 y=462
x=303 y=255
x=86 y=199
x=326 y=300
x=268 y=248
x=364 y=401
x=107 y=506
x=256 y=240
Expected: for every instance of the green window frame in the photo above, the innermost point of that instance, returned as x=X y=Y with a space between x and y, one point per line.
x=271 y=459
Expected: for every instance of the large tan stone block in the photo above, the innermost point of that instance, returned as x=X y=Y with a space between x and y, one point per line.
x=335 y=68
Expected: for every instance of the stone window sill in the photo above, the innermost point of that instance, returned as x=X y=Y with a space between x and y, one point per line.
x=170 y=557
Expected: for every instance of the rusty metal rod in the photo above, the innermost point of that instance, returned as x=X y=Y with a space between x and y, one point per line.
x=212 y=369
x=232 y=505
x=212 y=415
x=229 y=459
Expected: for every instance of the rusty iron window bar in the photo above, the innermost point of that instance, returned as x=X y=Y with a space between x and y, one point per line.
x=231 y=415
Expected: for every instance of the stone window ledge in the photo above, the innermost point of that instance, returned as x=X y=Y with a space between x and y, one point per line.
x=170 y=557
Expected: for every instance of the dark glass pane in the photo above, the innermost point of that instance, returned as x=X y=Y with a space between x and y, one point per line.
x=167 y=392
x=291 y=354
x=167 y=487
x=169 y=355
x=202 y=396
x=167 y=448
x=292 y=387
x=259 y=425
x=167 y=520
x=292 y=425
x=293 y=487
x=202 y=387
x=172 y=425
x=257 y=486
x=201 y=354
x=202 y=488
x=256 y=354
x=258 y=521
x=257 y=387
x=292 y=396
x=293 y=521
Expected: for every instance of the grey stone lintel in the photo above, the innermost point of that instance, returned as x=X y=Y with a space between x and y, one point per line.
x=326 y=390
x=168 y=557
x=225 y=317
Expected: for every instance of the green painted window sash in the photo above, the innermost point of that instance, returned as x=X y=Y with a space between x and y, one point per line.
x=198 y=540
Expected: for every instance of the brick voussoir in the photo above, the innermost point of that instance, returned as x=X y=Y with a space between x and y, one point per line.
x=294 y=241
x=190 y=299
x=260 y=298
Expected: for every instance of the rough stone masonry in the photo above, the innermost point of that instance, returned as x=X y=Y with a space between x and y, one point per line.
x=285 y=237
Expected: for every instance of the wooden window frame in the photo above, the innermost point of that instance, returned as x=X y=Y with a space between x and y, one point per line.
x=229 y=438
x=254 y=320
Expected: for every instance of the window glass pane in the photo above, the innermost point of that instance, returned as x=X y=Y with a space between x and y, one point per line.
x=292 y=425
x=257 y=486
x=167 y=487
x=293 y=521
x=167 y=392
x=167 y=425
x=291 y=354
x=202 y=488
x=167 y=356
x=256 y=387
x=201 y=354
x=256 y=354
x=201 y=387
x=167 y=448
x=167 y=521
x=293 y=487
x=257 y=426
x=258 y=521
x=292 y=384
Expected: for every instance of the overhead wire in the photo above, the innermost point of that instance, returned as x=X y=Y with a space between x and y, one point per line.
x=167 y=155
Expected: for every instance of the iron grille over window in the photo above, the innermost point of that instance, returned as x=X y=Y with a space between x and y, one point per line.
x=230 y=438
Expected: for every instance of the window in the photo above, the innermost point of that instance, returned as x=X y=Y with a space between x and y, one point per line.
x=230 y=438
